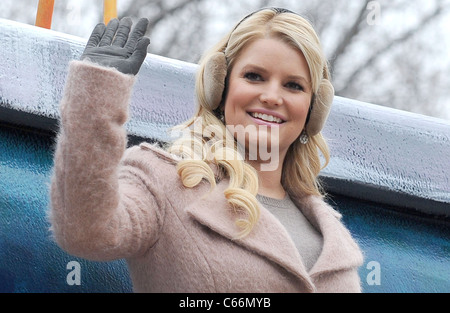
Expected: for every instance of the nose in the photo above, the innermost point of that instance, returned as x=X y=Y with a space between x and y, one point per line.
x=271 y=94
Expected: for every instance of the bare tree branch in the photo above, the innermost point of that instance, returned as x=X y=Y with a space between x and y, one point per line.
x=179 y=46
x=178 y=29
x=316 y=13
x=352 y=32
x=135 y=6
x=163 y=14
x=389 y=46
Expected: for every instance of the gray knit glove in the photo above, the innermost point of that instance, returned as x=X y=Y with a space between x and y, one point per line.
x=114 y=45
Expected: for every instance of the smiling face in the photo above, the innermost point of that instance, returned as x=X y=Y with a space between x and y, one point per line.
x=269 y=93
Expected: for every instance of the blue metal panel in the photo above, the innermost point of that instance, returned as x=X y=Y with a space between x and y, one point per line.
x=412 y=252
x=29 y=260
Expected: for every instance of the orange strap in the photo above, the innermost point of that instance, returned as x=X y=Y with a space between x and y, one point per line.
x=45 y=13
x=109 y=10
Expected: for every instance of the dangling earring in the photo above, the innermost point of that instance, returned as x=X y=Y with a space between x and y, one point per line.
x=304 y=138
x=222 y=116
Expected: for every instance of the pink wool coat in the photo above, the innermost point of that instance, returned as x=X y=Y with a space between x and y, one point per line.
x=109 y=202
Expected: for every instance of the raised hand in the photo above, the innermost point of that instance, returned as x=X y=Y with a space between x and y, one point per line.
x=114 y=46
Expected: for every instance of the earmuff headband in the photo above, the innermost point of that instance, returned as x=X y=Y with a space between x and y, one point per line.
x=215 y=73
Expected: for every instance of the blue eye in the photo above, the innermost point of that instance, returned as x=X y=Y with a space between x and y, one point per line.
x=252 y=76
x=294 y=86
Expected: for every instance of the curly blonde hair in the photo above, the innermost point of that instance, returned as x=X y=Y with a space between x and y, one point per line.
x=211 y=145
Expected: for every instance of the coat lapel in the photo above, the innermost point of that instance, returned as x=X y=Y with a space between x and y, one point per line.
x=340 y=251
x=268 y=239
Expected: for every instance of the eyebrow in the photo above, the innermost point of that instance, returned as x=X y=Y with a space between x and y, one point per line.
x=262 y=69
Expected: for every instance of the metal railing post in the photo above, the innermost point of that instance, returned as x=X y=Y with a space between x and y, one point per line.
x=109 y=10
x=45 y=13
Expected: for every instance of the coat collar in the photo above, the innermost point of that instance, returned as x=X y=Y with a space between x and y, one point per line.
x=271 y=240
x=268 y=238
x=340 y=251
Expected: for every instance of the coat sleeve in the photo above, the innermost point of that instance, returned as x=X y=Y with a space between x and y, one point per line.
x=101 y=208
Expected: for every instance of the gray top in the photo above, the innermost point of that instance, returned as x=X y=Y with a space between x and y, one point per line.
x=307 y=239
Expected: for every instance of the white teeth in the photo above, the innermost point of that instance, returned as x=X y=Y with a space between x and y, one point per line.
x=267 y=118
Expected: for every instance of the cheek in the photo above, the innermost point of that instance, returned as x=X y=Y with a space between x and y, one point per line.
x=301 y=110
x=236 y=100
x=299 y=113
x=230 y=109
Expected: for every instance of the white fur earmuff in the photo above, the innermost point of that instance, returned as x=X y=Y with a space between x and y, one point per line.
x=321 y=108
x=214 y=79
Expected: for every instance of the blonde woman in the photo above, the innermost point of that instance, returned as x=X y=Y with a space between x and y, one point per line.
x=233 y=205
